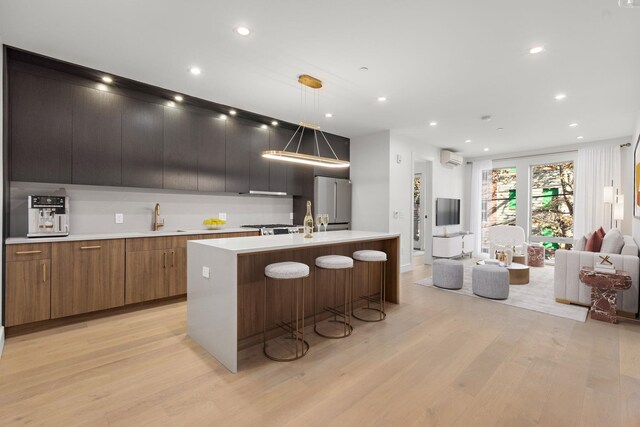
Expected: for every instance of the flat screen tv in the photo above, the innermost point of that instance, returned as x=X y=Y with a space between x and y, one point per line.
x=447 y=211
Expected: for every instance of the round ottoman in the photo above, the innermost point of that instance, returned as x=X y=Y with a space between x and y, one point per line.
x=490 y=281
x=448 y=273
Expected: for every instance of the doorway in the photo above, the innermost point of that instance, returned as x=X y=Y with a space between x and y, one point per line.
x=421 y=209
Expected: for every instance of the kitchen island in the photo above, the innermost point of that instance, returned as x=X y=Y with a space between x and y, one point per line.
x=225 y=293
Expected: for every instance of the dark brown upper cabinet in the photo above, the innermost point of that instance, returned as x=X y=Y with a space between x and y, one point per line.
x=259 y=165
x=278 y=139
x=208 y=133
x=237 y=154
x=180 y=150
x=340 y=146
x=41 y=120
x=142 y=132
x=97 y=137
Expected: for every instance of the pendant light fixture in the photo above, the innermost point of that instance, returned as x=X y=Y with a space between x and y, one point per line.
x=307 y=159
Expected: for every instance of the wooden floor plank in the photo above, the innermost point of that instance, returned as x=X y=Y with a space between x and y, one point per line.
x=438 y=359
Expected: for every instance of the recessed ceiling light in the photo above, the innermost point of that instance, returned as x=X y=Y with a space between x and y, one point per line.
x=223 y=116
x=579 y=137
x=364 y=68
x=536 y=49
x=243 y=31
x=195 y=71
x=572 y=125
x=382 y=98
x=274 y=123
x=433 y=124
x=107 y=79
x=178 y=98
x=263 y=126
x=467 y=141
x=486 y=118
x=328 y=115
x=485 y=149
x=171 y=104
x=232 y=112
x=560 y=96
x=500 y=129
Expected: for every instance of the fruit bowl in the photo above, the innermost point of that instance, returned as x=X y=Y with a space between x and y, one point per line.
x=214 y=223
x=214 y=226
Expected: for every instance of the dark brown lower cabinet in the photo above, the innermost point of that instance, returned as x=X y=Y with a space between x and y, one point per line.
x=28 y=291
x=86 y=276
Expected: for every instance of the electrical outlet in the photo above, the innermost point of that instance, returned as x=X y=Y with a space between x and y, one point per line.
x=222 y=216
x=206 y=273
x=119 y=218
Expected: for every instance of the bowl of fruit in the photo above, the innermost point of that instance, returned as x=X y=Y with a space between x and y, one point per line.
x=214 y=223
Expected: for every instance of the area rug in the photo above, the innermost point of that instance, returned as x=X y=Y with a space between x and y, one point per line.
x=536 y=296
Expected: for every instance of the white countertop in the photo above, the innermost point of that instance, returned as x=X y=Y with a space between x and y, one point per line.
x=127 y=235
x=289 y=241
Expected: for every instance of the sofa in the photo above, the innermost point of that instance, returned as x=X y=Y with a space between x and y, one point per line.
x=569 y=289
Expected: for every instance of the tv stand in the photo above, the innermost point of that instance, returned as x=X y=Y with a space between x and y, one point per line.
x=454 y=245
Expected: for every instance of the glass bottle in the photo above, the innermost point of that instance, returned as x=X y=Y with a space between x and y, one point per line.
x=308 y=222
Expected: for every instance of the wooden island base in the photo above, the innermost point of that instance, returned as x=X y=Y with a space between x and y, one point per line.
x=225 y=310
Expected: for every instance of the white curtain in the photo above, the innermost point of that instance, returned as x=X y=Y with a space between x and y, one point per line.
x=475 y=205
x=596 y=168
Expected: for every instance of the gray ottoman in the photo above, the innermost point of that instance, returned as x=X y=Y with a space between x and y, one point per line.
x=490 y=281
x=448 y=273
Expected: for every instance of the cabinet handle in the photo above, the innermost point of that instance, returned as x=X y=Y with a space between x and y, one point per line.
x=85 y=248
x=44 y=272
x=164 y=262
x=173 y=258
x=28 y=252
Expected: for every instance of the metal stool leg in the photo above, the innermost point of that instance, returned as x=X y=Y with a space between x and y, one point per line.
x=369 y=298
x=345 y=314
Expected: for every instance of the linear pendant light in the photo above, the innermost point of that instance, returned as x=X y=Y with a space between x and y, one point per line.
x=302 y=158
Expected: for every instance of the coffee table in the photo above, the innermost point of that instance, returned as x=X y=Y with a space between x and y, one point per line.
x=604 y=290
x=518 y=273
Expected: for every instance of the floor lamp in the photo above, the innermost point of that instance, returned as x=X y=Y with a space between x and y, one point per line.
x=618 y=209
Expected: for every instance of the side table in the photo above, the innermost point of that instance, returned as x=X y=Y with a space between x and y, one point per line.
x=604 y=288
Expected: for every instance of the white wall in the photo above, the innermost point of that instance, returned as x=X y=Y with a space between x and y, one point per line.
x=92 y=208
x=447 y=182
x=369 y=157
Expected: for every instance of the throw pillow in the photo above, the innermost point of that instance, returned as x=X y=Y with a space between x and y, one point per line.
x=594 y=243
x=579 y=244
x=601 y=232
x=612 y=242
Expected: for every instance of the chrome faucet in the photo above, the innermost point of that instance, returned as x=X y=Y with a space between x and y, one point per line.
x=157 y=224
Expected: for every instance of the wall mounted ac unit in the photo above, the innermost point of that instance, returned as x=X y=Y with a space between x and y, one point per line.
x=449 y=158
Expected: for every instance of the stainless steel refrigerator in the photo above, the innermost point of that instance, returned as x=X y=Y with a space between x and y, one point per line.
x=333 y=197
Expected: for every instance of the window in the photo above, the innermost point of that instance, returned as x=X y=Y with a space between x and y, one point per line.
x=498 y=200
x=552 y=206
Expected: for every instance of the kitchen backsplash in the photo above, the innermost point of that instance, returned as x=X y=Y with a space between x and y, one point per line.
x=93 y=208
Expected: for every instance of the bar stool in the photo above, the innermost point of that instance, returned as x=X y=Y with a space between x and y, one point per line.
x=335 y=263
x=295 y=272
x=370 y=257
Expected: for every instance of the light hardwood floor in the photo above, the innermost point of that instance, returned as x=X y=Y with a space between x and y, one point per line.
x=439 y=359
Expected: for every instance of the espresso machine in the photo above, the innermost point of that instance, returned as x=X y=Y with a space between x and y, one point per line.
x=48 y=216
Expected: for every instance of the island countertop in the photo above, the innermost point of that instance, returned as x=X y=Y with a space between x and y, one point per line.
x=293 y=241
x=226 y=300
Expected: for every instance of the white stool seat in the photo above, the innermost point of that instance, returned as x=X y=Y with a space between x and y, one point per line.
x=370 y=256
x=334 y=262
x=286 y=270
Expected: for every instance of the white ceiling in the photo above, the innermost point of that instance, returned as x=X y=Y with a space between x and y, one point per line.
x=446 y=60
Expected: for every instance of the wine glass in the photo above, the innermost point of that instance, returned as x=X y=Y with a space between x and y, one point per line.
x=319 y=221
x=325 y=221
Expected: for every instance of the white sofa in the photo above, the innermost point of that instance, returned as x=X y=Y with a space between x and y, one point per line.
x=569 y=289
